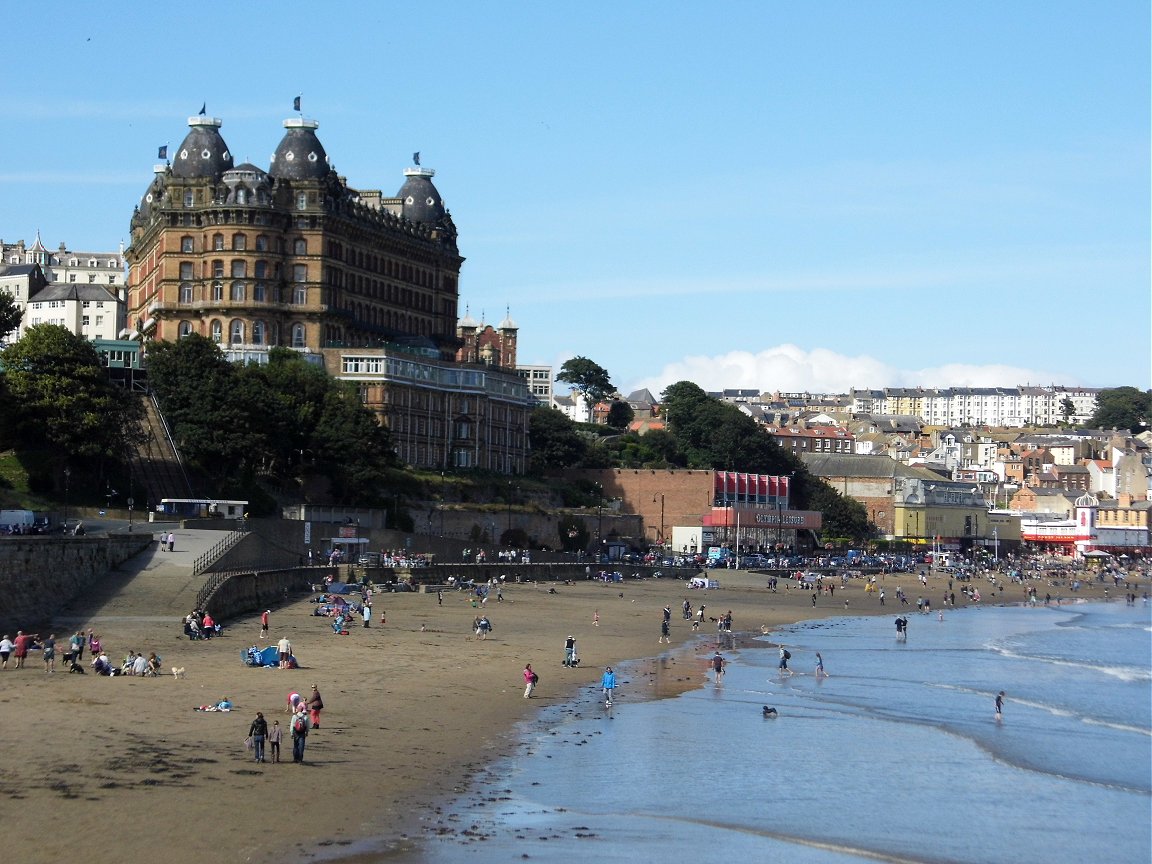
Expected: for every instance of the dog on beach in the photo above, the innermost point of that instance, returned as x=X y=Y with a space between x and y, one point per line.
x=177 y=672
x=769 y=713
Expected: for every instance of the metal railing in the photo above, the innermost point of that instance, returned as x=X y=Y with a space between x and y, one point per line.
x=203 y=562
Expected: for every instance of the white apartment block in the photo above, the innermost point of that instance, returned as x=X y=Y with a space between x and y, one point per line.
x=85 y=290
x=980 y=406
x=539 y=380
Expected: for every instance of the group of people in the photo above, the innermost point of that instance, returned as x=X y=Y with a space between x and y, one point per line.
x=304 y=716
x=199 y=624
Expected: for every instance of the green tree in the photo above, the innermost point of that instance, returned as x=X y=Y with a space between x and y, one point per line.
x=620 y=414
x=1067 y=409
x=587 y=378
x=352 y=448
x=63 y=398
x=555 y=441
x=10 y=314
x=1122 y=408
x=843 y=516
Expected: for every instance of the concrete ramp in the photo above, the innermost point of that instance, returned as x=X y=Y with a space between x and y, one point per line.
x=154 y=584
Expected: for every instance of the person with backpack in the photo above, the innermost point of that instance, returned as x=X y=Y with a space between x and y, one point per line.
x=299 y=734
x=785 y=656
x=530 y=680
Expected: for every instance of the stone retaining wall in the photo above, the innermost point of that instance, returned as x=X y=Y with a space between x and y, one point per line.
x=40 y=575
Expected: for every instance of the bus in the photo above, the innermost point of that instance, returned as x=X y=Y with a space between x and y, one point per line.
x=201 y=508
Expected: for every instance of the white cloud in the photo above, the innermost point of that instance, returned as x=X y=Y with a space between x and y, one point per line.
x=789 y=368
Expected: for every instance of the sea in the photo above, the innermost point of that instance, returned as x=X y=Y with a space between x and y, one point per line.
x=896 y=755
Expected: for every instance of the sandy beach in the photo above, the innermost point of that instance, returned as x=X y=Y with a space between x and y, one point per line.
x=116 y=769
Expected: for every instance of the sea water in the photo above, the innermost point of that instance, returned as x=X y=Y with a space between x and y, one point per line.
x=895 y=756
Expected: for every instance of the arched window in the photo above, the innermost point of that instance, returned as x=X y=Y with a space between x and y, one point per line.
x=236 y=332
x=187 y=244
x=185 y=292
x=239 y=269
x=239 y=242
x=258 y=332
x=241 y=195
x=300 y=247
x=298 y=336
x=237 y=294
x=185 y=329
x=259 y=292
x=262 y=243
x=218 y=242
x=217 y=269
x=218 y=291
x=217 y=331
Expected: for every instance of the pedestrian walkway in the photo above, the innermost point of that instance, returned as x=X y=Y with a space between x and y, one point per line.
x=154 y=583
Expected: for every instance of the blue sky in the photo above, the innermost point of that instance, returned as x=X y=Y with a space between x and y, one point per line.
x=768 y=195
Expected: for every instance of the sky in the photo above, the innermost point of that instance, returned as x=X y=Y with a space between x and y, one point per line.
x=762 y=195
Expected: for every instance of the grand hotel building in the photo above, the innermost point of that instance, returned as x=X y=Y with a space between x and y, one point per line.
x=368 y=285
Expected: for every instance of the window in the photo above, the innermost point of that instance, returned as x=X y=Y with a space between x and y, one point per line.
x=241 y=195
x=186 y=270
x=84 y=321
x=299 y=272
x=218 y=291
x=217 y=329
x=239 y=242
x=111 y=280
x=236 y=333
x=259 y=292
x=301 y=201
x=261 y=243
x=91 y=277
x=218 y=242
x=185 y=329
x=239 y=269
x=217 y=269
x=300 y=295
x=189 y=198
x=261 y=270
x=186 y=244
x=237 y=292
x=71 y=277
x=257 y=332
x=297 y=335
x=300 y=247
x=185 y=292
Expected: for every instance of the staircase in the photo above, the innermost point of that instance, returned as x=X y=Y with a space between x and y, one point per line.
x=156 y=462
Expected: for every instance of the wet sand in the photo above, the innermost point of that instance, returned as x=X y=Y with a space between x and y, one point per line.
x=115 y=769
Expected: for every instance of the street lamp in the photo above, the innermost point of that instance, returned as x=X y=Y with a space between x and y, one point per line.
x=67 y=488
x=660 y=537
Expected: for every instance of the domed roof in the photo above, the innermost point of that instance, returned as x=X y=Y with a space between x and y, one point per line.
x=203 y=152
x=300 y=155
x=154 y=194
x=421 y=201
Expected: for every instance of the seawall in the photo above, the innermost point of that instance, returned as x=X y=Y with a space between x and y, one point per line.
x=41 y=575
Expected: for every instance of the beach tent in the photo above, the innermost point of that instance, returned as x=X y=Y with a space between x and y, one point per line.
x=338 y=588
x=266 y=657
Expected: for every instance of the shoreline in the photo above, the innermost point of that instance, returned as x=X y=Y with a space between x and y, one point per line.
x=413 y=716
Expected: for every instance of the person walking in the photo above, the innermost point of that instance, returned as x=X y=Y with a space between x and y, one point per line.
x=570 y=651
x=665 y=634
x=785 y=656
x=718 y=664
x=76 y=646
x=367 y=613
x=258 y=732
x=6 y=646
x=1000 y=706
x=264 y=623
x=820 y=673
x=439 y=598
x=299 y=734
x=48 y=652
x=530 y=679
x=315 y=706
x=275 y=736
x=608 y=684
